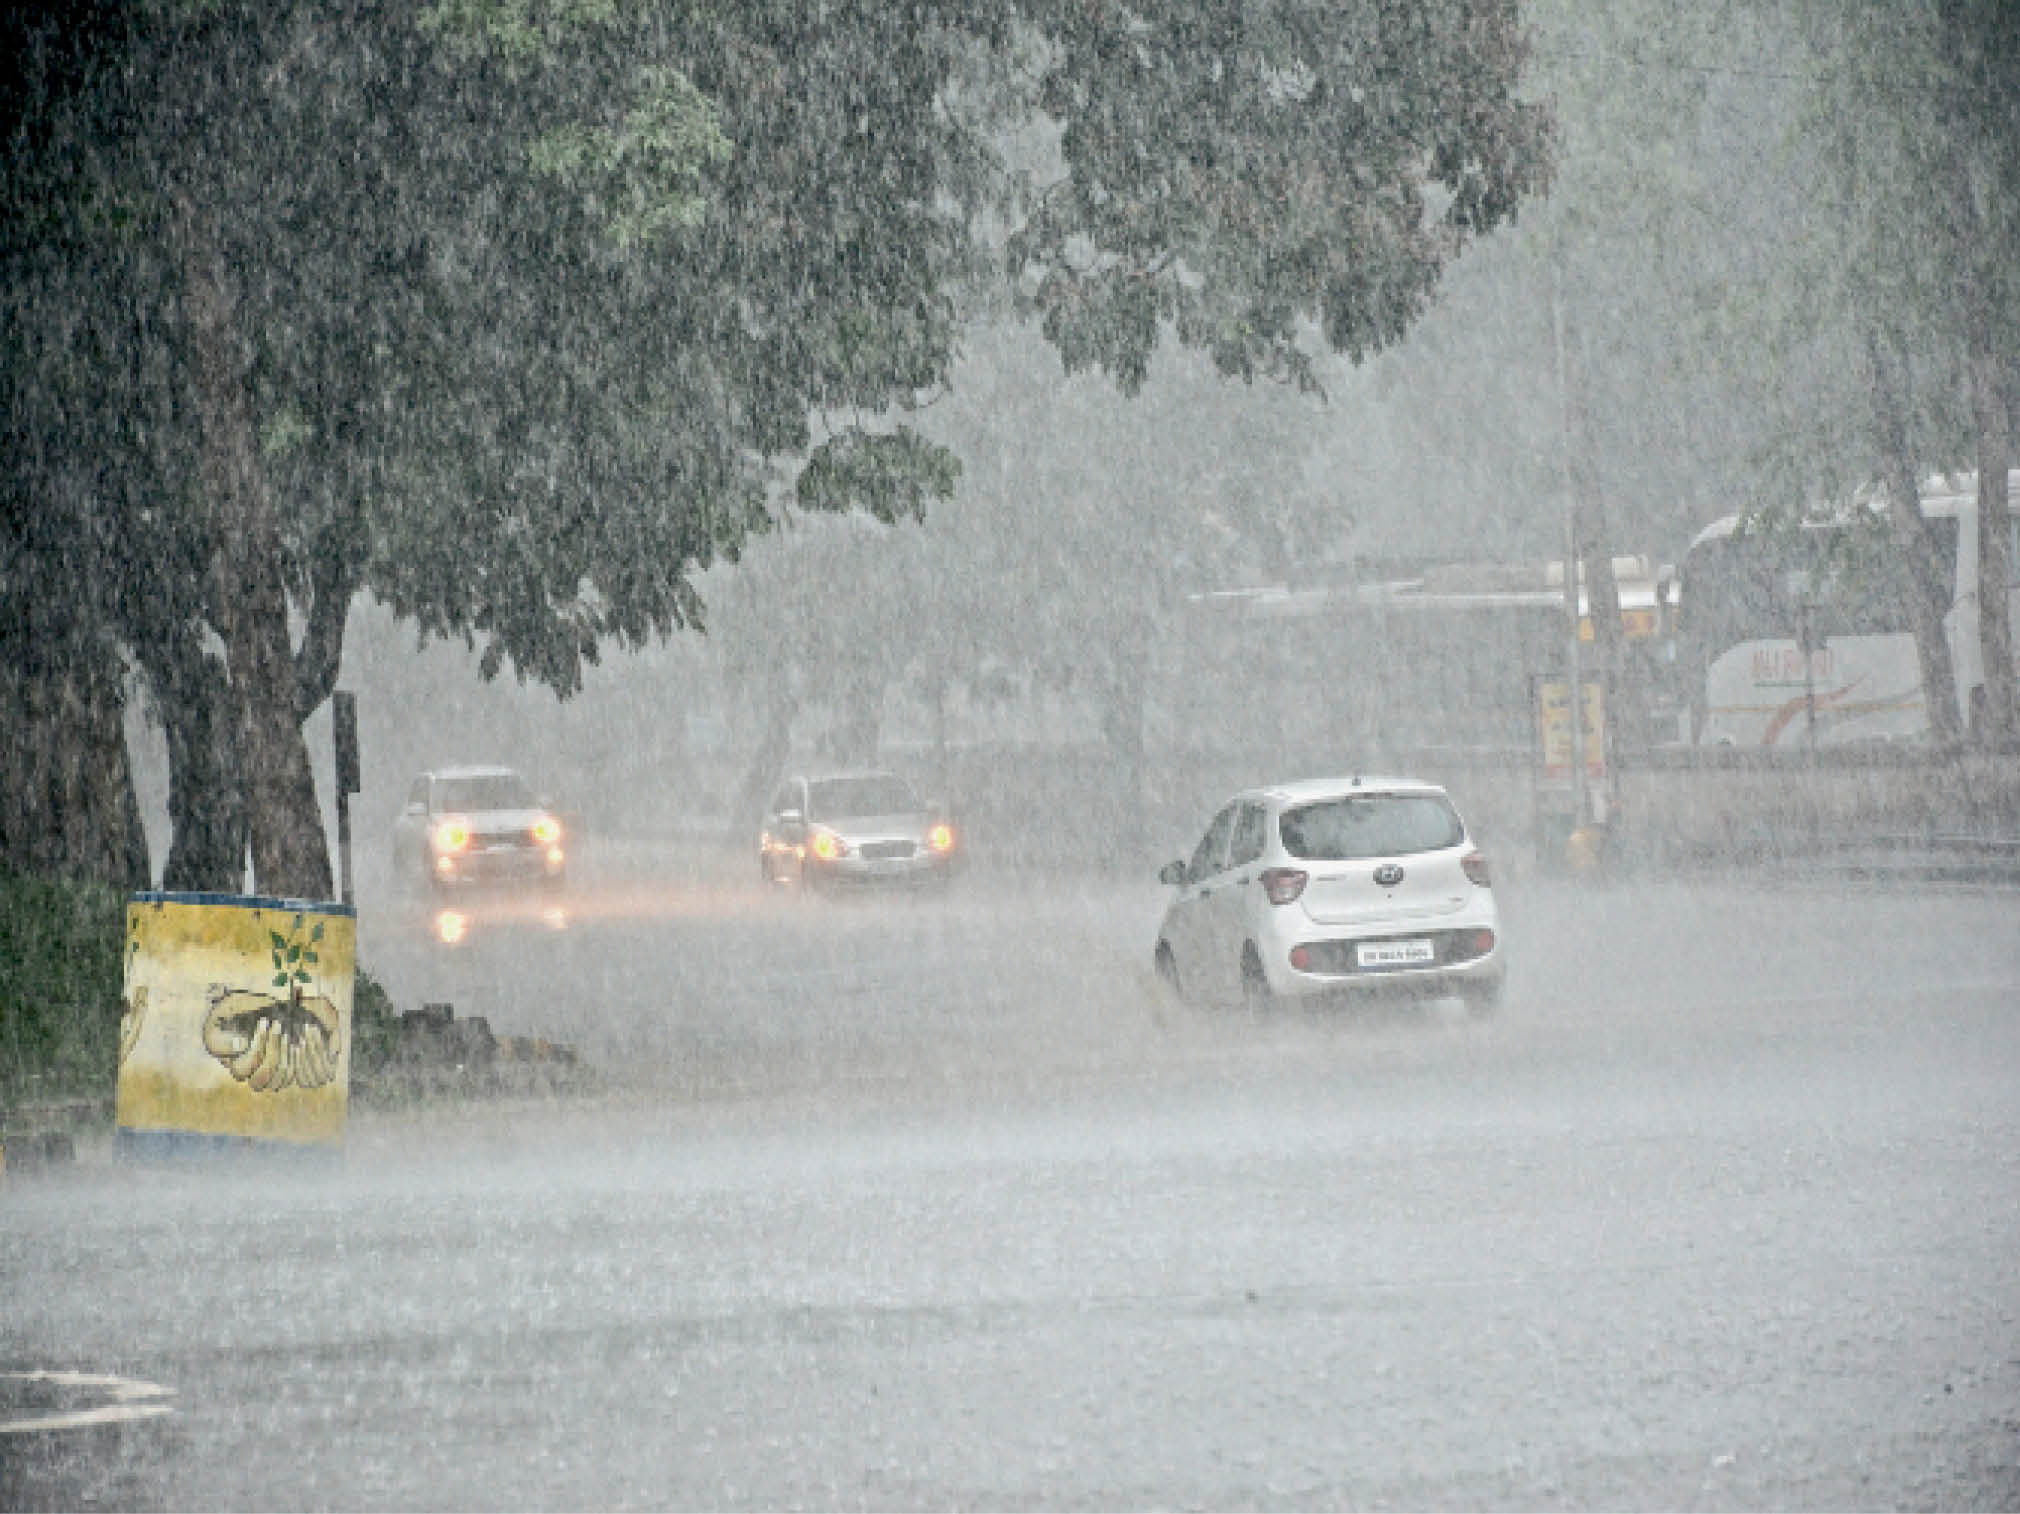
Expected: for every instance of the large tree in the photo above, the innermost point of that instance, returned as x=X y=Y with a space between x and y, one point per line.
x=503 y=309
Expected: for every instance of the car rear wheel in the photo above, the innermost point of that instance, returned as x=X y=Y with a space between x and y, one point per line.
x=1257 y=998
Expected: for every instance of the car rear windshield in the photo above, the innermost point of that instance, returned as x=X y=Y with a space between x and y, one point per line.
x=876 y=794
x=1370 y=825
x=492 y=791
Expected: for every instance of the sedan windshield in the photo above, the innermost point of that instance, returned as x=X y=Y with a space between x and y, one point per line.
x=491 y=791
x=874 y=794
x=1370 y=825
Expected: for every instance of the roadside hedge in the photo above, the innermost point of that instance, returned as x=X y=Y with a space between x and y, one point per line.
x=60 y=979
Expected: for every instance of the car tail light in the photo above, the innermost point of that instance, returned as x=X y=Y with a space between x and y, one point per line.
x=1282 y=884
x=1301 y=958
x=1482 y=942
x=940 y=838
x=451 y=836
x=547 y=830
x=827 y=846
x=1475 y=864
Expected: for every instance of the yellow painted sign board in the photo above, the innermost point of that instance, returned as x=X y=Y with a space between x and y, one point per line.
x=236 y=1025
x=1636 y=624
x=1553 y=715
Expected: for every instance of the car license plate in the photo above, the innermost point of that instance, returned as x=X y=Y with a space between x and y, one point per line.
x=1394 y=953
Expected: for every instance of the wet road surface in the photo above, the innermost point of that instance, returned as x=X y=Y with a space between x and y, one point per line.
x=935 y=1203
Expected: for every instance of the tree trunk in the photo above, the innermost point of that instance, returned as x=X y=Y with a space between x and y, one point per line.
x=1996 y=708
x=69 y=807
x=249 y=602
x=1591 y=528
x=1122 y=730
x=206 y=799
x=941 y=785
x=775 y=744
x=1931 y=597
x=857 y=733
x=1978 y=164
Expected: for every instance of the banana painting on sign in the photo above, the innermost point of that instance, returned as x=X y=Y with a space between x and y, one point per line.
x=236 y=1026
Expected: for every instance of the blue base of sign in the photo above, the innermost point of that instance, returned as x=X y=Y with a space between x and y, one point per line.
x=247 y=901
x=201 y=1146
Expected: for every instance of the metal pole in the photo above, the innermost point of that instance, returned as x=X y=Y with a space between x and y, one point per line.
x=1809 y=677
x=1573 y=674
x=344 y=847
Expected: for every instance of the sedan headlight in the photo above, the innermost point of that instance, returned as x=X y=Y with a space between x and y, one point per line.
x=451 y=836
x=940 y=840
x=547 y=830
x=827 y=846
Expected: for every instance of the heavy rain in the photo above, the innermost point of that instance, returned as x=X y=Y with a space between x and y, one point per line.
x=1216 y=754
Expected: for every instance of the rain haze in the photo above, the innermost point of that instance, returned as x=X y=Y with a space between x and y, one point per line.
x=1220 y=755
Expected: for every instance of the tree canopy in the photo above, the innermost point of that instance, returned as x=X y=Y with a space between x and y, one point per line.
x=519 y=313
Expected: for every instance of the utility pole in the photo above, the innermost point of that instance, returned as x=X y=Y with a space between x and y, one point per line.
x=344 y=728
x=1574 y=681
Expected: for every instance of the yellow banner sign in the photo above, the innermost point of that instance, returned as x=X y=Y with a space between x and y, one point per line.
x=1553 y=716
x=237 y=1018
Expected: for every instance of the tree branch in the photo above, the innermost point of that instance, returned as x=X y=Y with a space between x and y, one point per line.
x=333 y=580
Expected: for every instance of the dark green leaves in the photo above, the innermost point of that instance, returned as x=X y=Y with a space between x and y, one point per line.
x=888 y=476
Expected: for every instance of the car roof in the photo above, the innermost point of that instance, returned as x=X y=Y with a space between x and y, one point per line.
x=474 y=770
x=1306 y=790
x=822 y=775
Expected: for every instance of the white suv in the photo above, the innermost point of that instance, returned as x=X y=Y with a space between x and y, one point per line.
x=1332 y=886
x=465 y=825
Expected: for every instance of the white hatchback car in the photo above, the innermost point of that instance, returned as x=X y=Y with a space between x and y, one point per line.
x=1330 y=886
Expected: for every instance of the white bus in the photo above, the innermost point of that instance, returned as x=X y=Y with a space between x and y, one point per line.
x=1434 y=667
x=1751 y=596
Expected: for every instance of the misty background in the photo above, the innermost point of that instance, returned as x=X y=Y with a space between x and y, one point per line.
x=1687 y=206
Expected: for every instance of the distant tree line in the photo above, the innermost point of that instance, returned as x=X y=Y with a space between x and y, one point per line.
x=1776 y=267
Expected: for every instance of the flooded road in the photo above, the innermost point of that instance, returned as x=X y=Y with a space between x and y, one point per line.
x=933 y=1203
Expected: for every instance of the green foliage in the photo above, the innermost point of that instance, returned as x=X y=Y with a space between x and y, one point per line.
x=60 y=986
x=375 y=1026
x=889 y=476
x=519 y=30
x=292 y=958
x=538 y=300
x=1239 y=170
x=645 y=174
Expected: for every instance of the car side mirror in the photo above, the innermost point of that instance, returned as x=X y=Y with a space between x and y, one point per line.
x=1172 y=873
